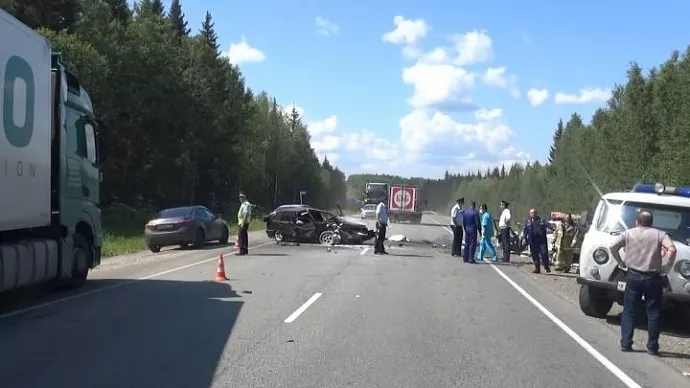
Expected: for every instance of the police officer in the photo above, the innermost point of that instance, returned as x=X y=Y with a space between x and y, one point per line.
x=456 y=214
x=504 y=230
x=243 y=218
x=644 y=246
x=486 y=244
x=534 y=233
x=566 y=236
x=471 y=223
x=381 y=224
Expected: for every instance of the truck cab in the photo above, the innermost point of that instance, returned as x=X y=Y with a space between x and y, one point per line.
x=50 y=218
x=602 y=282
x=375 y=193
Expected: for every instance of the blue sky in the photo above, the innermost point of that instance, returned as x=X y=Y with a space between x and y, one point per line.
x=450 y=88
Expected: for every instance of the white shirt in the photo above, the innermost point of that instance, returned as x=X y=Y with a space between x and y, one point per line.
x=504 y=220
x=382 y=213
x=456 y=214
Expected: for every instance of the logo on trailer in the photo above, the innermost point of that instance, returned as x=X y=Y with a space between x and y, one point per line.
x=402 y=199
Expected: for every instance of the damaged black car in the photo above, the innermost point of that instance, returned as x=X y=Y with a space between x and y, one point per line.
x=305 y=224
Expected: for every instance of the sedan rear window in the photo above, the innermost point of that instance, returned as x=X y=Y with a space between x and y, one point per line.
x=173 y=213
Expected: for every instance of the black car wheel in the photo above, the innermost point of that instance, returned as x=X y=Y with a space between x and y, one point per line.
x=200 y=239
x=225 y=237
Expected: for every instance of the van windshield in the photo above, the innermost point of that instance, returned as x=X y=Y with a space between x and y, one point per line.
x=617 y=216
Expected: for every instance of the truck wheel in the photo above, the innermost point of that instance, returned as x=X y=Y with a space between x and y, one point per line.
x=593 y=303
x=225 y=237
x=82 y=257
x=199 y=239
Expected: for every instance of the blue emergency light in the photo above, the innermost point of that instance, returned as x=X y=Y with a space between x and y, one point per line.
x=660 y=188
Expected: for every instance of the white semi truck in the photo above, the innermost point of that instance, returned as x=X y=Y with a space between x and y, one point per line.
x=50 y=220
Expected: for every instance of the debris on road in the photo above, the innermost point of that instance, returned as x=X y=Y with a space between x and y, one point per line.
x=398 y=238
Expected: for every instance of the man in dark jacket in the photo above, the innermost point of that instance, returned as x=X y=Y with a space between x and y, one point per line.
x=471 y=223
x=534 y=233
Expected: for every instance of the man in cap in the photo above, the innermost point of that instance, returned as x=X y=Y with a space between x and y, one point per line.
x=243 y=218
x=456 y=225
x=534 y=233
x=471 y=223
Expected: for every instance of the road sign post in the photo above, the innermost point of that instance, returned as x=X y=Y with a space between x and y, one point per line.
x=301 y=194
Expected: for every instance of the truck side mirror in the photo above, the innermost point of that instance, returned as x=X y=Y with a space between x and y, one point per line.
x=101 y=149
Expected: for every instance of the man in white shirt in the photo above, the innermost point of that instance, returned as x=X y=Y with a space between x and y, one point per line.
x=456 y=214
x=504 y=228
x=381 y=223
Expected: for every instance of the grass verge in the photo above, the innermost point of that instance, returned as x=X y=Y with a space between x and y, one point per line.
x=123 y=230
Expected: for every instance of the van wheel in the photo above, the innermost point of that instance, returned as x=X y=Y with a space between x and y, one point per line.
x=593 y=303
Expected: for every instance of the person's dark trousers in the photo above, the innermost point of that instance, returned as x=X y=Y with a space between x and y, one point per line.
x=380 y=238
x=651 y=286
x=505 y=243
x=457 y=241
x=540 y=255
x=470 y=246
x=244 y=239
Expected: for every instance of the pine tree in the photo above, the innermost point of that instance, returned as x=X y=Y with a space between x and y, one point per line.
x=177 y=18
x=120 y=10
x=209 y=33
x=556 y=138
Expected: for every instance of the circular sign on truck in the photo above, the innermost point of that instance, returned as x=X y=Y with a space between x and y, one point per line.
x=402 y=198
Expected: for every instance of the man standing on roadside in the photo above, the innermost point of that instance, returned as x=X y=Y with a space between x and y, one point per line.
x=534 y=234
x=456 y=225
x=486 y=242
x=645 y=247
x=381 y=224
x=504 y=230
x=471 y=223
x=243 y=218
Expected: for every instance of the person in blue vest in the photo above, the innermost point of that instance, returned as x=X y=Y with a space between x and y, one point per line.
x=471 y=223
x=534 y=234
x=485 y=243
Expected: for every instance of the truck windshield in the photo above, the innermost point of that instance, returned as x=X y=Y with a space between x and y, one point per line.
x=376 y=187
x=617 y=216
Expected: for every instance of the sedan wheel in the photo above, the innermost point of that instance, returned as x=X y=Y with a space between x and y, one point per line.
x=326 y=237
x=278 y=236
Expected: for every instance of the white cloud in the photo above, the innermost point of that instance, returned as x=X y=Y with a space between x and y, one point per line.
x=241 y=52
x=287 y=109
x=368 y=167
x=537 y=96
x=328 y=143
x=484 y=114
x=473 y=47
x=437 y=84
x=407 y=31
x=496 y=76
x=327 y=125
x=326 y=27
x=585 y=96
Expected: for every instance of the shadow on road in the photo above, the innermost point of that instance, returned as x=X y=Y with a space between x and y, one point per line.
x=151 y=333
x=670 y=325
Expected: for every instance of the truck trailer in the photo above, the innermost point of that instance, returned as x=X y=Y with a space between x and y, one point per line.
x=403 y=204
x=50 y=219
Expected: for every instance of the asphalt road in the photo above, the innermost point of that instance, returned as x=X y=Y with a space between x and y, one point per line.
x=303 y=316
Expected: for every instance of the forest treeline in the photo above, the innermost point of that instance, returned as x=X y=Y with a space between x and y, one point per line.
x=640 y=136
x=179 y=124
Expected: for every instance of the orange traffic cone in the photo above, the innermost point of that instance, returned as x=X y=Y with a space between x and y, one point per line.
x=237 y=242
x=220 y=272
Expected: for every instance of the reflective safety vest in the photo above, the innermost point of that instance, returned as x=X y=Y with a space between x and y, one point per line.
x=244 y=219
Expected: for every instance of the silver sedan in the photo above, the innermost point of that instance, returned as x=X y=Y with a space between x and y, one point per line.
x=183 y=226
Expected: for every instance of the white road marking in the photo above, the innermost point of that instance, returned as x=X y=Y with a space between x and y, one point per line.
x=116 y=285
x=302 y=308
x=364 y=251
x=616 y=371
